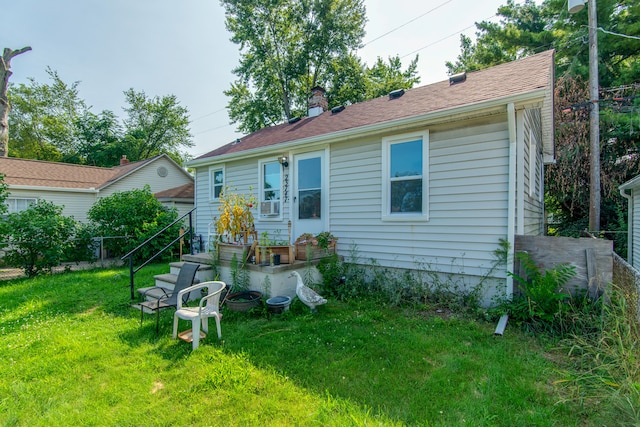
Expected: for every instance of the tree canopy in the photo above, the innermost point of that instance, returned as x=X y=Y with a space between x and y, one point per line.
x=529 y=28
x=288 y=47
x=51 y=122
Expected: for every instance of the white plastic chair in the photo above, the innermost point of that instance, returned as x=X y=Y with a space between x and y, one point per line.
x=209 y=306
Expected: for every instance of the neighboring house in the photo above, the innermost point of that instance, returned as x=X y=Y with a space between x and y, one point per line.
x=428 y=178
x=631 y=191
x=78 y=187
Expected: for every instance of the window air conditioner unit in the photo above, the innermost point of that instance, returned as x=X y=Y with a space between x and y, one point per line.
x=270 y=208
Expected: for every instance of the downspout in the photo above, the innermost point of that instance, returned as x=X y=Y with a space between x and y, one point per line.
x=629 y=197
x=511 y=208
x=511 y=199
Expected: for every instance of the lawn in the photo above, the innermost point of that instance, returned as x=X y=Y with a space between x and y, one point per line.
x=74 y=353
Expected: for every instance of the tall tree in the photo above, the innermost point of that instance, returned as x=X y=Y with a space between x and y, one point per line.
x=5 y=73
x=286 y=48
x=529 y=28
x=42 y=119
x=51 y=122
x=155 y=126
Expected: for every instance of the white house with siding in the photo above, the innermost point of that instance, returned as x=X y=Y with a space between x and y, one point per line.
x=432 y=176
x=631 y=191
x=77 y=187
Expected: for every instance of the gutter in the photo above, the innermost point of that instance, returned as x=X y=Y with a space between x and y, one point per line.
x=363 y=131
x=91 y=190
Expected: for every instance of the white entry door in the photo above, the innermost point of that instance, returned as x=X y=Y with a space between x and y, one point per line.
x=309 y=198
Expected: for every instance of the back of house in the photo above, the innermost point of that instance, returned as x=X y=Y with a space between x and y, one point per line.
x=430 y=179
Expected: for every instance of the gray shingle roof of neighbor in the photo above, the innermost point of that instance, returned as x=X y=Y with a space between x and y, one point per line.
x=38 y=173
x=502 y=81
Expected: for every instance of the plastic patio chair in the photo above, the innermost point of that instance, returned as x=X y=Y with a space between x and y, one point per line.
x=168 y=299
x=209 y=306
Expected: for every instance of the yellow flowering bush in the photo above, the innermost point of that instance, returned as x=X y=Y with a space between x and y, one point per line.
x=236 y=218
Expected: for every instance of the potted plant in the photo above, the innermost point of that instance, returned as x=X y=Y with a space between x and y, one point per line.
x=235 y=225
x=310 y=247
x=241 y=299
x=272 y=249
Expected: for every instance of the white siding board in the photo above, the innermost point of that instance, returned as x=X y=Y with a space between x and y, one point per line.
x=148 y=175
x=636 y=228
x=467 y=185
x=75 y=204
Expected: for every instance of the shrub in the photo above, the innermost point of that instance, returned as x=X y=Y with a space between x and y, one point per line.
x=39 y=237
x=544 y=306
x=137 y=215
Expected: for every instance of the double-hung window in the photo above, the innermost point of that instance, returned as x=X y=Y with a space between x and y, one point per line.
x=19 y=204
x=405 y=184
x=216 y=182
x=270 y=189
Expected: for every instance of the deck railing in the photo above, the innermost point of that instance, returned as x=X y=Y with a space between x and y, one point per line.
x=133 y=270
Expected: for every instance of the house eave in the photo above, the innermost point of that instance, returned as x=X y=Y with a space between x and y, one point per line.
x=440 y=116
x=57 y=189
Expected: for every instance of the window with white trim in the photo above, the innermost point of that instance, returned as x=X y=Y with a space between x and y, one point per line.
x=216 y=182
x=270 y=190
x=405 y=163
x=19 y=204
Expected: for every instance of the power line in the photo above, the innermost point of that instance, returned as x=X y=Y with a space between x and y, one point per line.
x=212 y=129
x=209 y=114
x=406 y=23
x=444 y=38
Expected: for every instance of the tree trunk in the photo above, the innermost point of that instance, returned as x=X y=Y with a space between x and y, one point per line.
x=5 y=73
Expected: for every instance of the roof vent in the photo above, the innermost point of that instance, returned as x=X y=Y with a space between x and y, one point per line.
x=293 y=120
x=396 y=94
x=336 y=110
x=457 y=78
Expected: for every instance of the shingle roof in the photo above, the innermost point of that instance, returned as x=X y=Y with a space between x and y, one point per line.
x=181 y=192
x=502 y=81
x=39 y=173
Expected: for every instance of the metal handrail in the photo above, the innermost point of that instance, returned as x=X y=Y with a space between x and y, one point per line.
x=133 y=271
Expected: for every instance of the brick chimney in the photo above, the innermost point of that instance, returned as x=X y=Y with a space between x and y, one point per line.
x=318 y=101
x=124 y=160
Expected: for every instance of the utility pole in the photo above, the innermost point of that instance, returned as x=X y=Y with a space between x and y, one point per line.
x=594 y=113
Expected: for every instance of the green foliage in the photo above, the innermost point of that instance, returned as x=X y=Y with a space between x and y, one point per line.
x=541 y=305
x=51 y=122
x=288 y=47
x=135 y=215
x=4 y=194
x=40 y=237
x=530 y=27
x=240 y=278
x=155 y=126
x=352 y=363
x=41 y=119
x=422 y=286
x=608 y=359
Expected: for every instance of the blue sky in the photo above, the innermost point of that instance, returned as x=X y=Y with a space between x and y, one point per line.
x=181 y=47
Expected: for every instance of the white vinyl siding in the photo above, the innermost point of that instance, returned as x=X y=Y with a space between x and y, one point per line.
x=533 y=204
x=149 y=174
x=634 y=224
x=241 y=176
x=75 y=204
x=467 y=179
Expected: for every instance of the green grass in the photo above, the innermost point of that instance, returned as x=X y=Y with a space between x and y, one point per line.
x=73 y=352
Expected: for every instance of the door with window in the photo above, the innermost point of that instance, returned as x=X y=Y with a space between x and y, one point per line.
x=309 y=198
